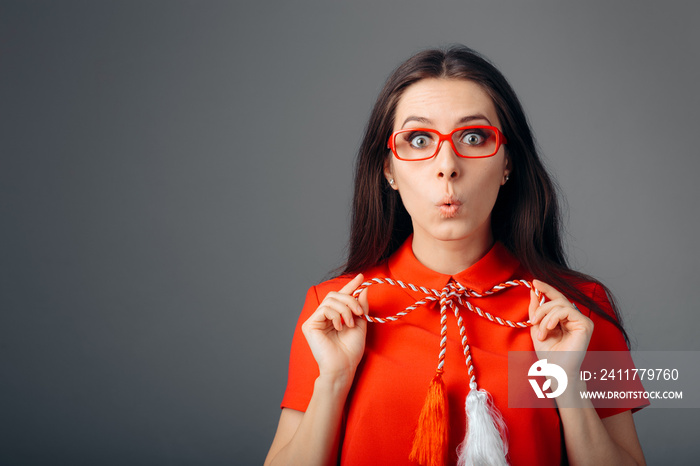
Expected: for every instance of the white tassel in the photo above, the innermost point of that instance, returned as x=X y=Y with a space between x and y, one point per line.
x=484 y=443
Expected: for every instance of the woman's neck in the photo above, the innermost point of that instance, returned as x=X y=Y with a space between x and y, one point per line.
x=450 y=256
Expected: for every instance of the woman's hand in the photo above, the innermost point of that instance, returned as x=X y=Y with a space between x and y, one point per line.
x=557 y=325
x=336 y=332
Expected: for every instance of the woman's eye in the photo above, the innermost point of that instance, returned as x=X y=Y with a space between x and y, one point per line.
x=420 y=141
x=473 y=139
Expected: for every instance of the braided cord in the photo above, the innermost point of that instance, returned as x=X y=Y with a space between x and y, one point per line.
x=450 y=296
x=453 y=291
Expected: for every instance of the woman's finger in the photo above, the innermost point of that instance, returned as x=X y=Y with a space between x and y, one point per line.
x=550 y=321
x=352 y=284
x=548 y=290
x=546 y=308
x=363 y=302
x=334 y=316
x=568 y=317
x=534 y=304
x=346 y=300
x=338 y=308
x=342 y=309
x=543 y=312
x=321 y=318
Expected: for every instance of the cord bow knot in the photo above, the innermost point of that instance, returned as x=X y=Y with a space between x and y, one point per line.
x=485 y=441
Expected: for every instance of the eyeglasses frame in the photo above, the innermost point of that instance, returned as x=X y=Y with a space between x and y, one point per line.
x=500 y=140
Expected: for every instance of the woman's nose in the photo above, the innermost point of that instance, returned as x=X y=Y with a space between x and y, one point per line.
x=446 y=159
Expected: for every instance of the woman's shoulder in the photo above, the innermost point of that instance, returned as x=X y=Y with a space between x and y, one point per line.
x=339 y=281
x=592 y=298
x=608 y=333
x=596 y=292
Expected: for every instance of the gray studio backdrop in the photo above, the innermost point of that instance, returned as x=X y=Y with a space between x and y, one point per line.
x=175 y=175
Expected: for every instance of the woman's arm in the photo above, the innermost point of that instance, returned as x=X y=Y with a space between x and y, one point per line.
x=336 y=334
x=558 y=326
x=592 y=440
x=311 y=438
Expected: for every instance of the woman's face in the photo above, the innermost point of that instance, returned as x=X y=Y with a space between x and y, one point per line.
x=448 y=197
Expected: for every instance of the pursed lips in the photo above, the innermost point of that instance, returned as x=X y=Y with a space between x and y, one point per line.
x=449 y=206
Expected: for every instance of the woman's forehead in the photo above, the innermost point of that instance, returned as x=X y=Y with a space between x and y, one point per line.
x=445 y=102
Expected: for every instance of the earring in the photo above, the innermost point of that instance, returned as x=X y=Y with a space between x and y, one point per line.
x=507 y=177
x=391 y=181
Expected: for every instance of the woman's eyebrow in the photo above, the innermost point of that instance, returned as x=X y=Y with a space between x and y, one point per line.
x=465 y=119
x=477 y=116
x=418 y=119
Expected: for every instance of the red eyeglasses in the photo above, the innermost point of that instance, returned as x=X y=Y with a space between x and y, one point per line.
x=470 y=142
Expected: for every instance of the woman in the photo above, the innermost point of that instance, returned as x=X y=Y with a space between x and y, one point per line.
x=450 y=195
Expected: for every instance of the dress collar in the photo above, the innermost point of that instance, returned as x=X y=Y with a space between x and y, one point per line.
x=497 y=266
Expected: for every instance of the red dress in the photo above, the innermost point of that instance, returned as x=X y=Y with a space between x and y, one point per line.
x=400 y=359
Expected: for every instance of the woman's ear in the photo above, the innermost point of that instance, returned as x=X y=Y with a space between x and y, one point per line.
x=389 y=174
x=506 y=170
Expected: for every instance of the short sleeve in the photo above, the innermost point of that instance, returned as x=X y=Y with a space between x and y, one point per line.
x=608 y=337
x=303 y=369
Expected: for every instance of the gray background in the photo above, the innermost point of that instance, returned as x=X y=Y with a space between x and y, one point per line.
x=175 y=175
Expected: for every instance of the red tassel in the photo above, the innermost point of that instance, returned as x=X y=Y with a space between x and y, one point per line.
x=430 y=442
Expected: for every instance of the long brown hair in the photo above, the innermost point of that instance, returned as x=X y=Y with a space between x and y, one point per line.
x=526 y=216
